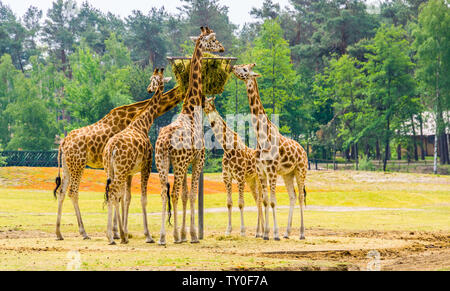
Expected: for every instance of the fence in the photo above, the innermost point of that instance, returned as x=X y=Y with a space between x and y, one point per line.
x=30 y=158
x=49 y=159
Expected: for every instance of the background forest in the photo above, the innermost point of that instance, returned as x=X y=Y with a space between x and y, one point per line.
x=348 y=80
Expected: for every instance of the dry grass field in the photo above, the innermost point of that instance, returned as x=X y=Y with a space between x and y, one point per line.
x=405 y=218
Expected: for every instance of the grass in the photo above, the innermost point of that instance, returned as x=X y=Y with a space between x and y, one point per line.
x=28 y=215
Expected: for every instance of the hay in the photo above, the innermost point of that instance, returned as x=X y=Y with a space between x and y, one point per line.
x=215 y=73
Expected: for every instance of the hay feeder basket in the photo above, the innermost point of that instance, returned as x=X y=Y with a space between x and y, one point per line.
x=215 y=72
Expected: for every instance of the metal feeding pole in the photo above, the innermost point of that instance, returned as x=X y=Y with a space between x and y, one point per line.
x=200 y=206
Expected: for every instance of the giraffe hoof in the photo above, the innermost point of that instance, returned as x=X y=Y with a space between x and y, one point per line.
x=195 y=242
x=86 y=238
x=266 y=238
x=124 y=242
x=150 y=241
x=276 y=238
x=59 y=238
x=177 y=242
x=116 y=236
x=286 y=237
x=302 y=237
x=112 y=243
x=163 y=244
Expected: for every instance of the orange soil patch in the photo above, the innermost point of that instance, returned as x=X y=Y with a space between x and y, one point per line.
x=92 y=181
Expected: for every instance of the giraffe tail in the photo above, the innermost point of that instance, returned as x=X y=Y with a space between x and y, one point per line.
x=168 y=202
x=110 y=175
x=304 y=192
x=108 y=182
x=58 y=179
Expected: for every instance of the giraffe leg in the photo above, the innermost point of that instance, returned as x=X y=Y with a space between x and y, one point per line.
x=273 y=203
x=265 y=198
x=255 y=188
x=126 y=203
x=145 y=175
x=228 y=184
x=123 y=235
x=61 y=195
x=241 y=186
x=184 y=199
x=115 y=229
x=289 y=182
x=174 y=195
x=300 y=178
x=75 y=178
x=197 y=167
x=109 y=231
x=163 y=164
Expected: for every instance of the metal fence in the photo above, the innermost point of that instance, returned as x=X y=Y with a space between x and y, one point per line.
x=30 y=158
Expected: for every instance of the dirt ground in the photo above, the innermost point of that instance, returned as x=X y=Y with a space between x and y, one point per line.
x=322 y=250
x=354 y=221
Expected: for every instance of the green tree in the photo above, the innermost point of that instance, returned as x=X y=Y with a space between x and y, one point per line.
x=390 y=83
x=99 y=83
x=59 y=32
x=146 y=37
x=272 y=55
x=8 y=76
x=342 y=83
x=432 y=42
x=12 y=36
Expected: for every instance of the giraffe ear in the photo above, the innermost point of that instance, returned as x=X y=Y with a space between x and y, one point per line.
x=167 y=79
x=211 y=35
x=194 y=38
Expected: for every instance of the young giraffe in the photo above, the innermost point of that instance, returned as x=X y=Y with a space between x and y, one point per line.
x=127 y=153
x=181 y=143
x=84 y=147
x=277 y=155
x=239 y=163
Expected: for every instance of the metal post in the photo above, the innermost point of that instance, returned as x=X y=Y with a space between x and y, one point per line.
x=200 y=206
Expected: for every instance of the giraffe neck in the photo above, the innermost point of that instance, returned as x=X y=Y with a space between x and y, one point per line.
x=121 y=117
x=224 y=135
x=145 y=119
x=194 y=94
x=254 y=100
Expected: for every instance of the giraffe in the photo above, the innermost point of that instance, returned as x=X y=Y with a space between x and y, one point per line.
x=127 y=153
x=239 y=163
x=277 y=155
x=84 y=147
x=182 y=144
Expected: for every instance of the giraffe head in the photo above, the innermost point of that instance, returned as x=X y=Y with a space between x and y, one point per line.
x=208 y=41
x=209 y=105
x=157 y=80
x=245 y=72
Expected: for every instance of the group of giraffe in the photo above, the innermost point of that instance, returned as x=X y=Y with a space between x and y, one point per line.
x=119 y=143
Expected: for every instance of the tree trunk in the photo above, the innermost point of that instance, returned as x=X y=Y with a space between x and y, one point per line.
x=422 y=139
x=386 y=149
x=356 y=154
x=399 y=152
x=377 y=150
x=416 y=154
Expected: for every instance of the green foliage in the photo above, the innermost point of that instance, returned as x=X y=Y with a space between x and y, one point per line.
x=2 y=158
x=339 y=75
x=365 y=164
x=99 y=83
